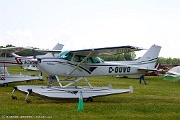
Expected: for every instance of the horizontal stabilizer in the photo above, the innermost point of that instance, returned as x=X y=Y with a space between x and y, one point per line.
x=48 y=51
x=146 y=69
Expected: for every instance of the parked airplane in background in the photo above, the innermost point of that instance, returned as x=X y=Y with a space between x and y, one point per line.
x=50 y=53
x=80 y=64
x=9 y=58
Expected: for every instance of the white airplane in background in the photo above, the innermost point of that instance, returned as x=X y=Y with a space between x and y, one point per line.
x=80 y=64
x=50 y=53
x=9 y=58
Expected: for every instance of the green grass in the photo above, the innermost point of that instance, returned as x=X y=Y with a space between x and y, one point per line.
x=158 y=99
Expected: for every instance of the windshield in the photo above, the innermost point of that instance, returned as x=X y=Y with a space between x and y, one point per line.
x=65 y=55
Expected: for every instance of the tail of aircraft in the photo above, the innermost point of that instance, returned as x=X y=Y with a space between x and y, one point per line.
x=149 y=59
x=58 y=47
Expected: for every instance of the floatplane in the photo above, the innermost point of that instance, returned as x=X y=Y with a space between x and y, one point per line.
x=8 y=57
x=80 y=64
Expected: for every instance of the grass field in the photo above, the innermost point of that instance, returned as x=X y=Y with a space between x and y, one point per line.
x=157 y=100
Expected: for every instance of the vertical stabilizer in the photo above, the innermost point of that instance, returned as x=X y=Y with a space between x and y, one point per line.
x=58 y=47
x=149 y=59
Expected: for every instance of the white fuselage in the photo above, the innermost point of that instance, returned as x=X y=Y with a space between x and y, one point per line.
x=13 y=59
x=82 y=63
x=62 y=67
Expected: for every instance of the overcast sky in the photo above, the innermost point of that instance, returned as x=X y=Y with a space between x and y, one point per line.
x=81 y=24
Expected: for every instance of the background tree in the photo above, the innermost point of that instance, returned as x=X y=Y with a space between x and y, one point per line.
x=161 y=60
x=130 y=56
x=9 y=45
x=119 y=57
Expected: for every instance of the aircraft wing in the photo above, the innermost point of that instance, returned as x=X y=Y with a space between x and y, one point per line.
x=106 y=50
x=12 y=49
x=18 y=78
x=58 y=48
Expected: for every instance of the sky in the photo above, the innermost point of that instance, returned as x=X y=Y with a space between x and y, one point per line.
x=84 y=24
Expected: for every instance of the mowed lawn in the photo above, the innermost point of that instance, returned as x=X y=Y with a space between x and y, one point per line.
x=158 y=99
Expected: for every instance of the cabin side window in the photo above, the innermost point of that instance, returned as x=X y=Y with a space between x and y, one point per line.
x=6 y=55
x=78 y=58
x=2 y=55
x=69 y=56
x=9 y=55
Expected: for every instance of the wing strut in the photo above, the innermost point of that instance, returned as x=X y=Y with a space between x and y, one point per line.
x=81 y=62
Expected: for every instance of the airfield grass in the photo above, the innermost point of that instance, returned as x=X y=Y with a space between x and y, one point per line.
x=158 y=99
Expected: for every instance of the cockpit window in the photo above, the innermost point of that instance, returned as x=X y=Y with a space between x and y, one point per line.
x=65 y=55
x=6 y=55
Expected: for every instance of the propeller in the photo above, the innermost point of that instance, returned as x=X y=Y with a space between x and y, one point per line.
x=34 y=60
x=33 y=53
